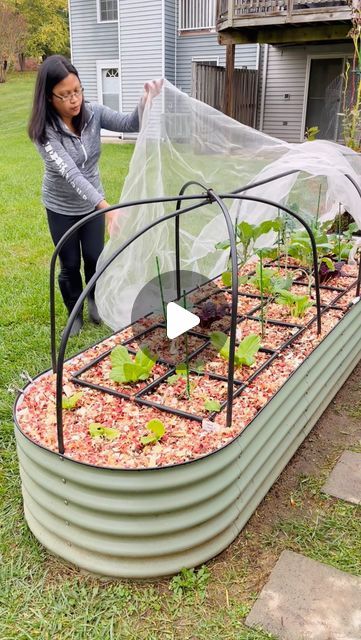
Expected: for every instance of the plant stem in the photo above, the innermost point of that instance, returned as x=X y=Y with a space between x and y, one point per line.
x=161 y=288
x=188 y=388
x=261 y=289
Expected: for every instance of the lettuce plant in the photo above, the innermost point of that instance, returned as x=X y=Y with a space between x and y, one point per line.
x=212 y=405
x=97 y=430
x=157 y=431
x=244 y=353
x=297 y=305
x=71 y=402
x=125 y=369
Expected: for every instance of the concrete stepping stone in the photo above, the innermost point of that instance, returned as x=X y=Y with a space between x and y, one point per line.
x=308 y=600
x=345 y=479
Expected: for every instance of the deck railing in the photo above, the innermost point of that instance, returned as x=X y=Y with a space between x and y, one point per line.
x=196 y=14
x=237 y=9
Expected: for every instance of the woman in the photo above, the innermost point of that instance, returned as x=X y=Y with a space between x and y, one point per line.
x=66 y=131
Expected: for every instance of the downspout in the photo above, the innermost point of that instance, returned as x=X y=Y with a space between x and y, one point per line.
x=264 y=82
x=257 y=85
x=120 y=63
x=70 y=33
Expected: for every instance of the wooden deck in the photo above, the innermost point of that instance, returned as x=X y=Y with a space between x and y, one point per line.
x=241 y=21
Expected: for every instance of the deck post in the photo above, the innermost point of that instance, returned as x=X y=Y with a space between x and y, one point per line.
x=228 y=89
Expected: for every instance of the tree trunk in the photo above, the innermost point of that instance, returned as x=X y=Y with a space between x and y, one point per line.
x=3 y=67
x=22 y=60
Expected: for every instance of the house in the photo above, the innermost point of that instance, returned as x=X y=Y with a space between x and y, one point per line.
x=302 y=63
x=116 y=45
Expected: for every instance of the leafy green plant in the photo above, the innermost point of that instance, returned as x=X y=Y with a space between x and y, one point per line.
x=247 y=234
x=190 y=582
x=181 y=373
x=244 y=353
x=311 y=133
x=124 y=369
x=212 y=405
x=157 y=431
x=269 y=280
x=71 y=402
x=97 y=430
x=297 y=305
x=300 y=245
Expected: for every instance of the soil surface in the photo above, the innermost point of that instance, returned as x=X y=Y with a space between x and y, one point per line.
x=338 y=429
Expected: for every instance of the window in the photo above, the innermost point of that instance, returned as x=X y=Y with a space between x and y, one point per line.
x=214 y=62
x=197 y=14
x=107 y=10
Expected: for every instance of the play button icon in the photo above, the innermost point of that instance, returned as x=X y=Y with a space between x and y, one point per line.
x=179 y=320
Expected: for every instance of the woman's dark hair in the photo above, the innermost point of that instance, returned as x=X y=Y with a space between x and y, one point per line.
x=53 y=70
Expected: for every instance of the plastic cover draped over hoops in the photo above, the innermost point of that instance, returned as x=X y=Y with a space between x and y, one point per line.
x=182 y=139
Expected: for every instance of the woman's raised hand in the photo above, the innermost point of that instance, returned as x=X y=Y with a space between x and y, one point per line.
x=152 y=88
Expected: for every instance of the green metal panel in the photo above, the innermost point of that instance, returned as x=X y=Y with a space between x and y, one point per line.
x=152 y=522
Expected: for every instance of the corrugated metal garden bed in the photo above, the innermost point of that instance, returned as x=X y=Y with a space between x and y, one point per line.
x=118 y=506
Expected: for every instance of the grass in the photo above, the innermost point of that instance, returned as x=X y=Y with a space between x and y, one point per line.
x=41 y=597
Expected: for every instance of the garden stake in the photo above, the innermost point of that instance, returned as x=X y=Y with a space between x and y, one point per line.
x=187 y=352
x=279 y=240
x=161 y=289
x=339 y=231
x=261 y=289
x=318 y=205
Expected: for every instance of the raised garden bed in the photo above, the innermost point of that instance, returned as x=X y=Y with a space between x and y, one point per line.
x=140 y=456
x=115 y=506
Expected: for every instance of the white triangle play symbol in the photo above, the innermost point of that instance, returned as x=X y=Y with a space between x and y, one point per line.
x=179 y=320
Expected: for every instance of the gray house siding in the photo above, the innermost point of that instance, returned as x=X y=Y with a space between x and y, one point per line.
x=206 y=46
x=91 y=41
x=148 y=44
x=170 y=24
x=141 y=46
x=286 y=73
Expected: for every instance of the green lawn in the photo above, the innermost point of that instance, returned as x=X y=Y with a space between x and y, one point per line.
x=40 y=597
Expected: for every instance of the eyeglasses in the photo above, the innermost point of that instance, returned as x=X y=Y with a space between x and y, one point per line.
x=75 y=94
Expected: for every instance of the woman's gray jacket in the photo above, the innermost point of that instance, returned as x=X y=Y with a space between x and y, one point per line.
x=71 y=184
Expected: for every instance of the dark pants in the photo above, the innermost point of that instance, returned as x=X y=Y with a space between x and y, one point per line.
x=88 y=242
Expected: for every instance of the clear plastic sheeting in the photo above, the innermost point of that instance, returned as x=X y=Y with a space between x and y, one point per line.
x=184 y=140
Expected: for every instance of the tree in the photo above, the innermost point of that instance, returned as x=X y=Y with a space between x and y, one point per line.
x=48 y=28
x=13 y=36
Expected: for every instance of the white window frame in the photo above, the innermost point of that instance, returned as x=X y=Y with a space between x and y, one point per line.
x=108 y=64
x=99 y=16
x=310 y=57
x=206 y=59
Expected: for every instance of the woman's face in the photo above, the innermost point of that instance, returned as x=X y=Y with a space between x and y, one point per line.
x=67 y=97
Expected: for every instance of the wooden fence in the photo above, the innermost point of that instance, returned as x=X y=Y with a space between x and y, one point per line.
x=208 y=85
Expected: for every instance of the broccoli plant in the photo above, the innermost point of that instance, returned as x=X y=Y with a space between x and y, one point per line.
x=125 y=369
x=269 y=280
x=246 y=235
x=297 y=305
x=244 y=353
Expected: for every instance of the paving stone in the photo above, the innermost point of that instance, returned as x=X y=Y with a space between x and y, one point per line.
x=308 y=600
x=345 y=479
